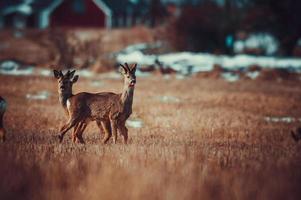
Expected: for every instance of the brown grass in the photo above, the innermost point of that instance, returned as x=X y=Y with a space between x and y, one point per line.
x=213 y=143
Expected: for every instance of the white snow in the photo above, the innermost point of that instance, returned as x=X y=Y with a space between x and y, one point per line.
x=198 y=62
x=142 y=74
x=253 y=75
x=134 y=123
x=11 y=67
x=168 y=99
x=44 y=72
x=85 y=73
x=238 y=46
x=141 y=47
x=231 y=77
x=42 y=95
x=184 y=63
x=285 y=119
x=18 y=72
x=96 y=83
x=264 y=41
x=136 y=57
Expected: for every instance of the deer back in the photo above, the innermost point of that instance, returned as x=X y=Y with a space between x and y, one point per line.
x=99 y=106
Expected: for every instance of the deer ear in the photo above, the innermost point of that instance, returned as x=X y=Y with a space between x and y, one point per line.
x=70 y=74
x=133 y=70
x=75 y=79
x=57 y=74
x=123 y=69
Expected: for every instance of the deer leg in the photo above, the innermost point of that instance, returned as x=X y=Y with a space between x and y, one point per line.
x=101 y=128
x=122 y=129
x=106 y=126
x=79 y=134
x=75 y=130
x=71 y=123
x=114 y=130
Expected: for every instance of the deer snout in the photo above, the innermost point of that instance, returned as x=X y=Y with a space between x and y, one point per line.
x=132 y=82
x=62 y=87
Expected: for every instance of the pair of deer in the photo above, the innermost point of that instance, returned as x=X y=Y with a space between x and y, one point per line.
x=108 y=109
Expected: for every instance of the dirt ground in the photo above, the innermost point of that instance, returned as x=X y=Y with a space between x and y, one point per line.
x=200 y=139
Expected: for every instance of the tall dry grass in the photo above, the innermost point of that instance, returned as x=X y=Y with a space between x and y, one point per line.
x=207 y=140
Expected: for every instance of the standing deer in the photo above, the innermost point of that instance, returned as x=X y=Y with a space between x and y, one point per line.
x=110 y=109
x=3 y=105
x=65 y=84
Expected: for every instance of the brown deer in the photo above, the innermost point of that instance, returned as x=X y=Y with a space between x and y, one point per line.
x=65 y=84
x=110 y=109
x=3 y=106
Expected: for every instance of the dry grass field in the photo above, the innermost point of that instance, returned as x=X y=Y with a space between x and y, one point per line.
x=200 y=139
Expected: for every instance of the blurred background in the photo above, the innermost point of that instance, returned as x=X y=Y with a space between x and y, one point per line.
x=99 y=34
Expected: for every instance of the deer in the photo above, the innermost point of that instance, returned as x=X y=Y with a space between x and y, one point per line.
x=3 y=106
x=65 y=85
x=108 y=108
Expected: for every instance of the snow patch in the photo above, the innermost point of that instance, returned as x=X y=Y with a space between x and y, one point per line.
x=253 y=75
x=42 y=95
x=85 y=73
x=142 y=74
x=96 y=83
x=169 y=99
x=230 y=76
x=189 y=63
x=18 y=72
x=282 y=119
x=45 y=72
x=134 y=123
x=10 y=67
x=263 y=41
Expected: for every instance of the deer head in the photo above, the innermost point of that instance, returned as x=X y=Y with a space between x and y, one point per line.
x=128 y=74
x=66 y=81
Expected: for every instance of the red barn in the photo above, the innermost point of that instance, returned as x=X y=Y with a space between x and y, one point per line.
x=81 y=13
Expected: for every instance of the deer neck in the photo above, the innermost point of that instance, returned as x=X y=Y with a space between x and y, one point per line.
x=64 y=96
x=127 y=99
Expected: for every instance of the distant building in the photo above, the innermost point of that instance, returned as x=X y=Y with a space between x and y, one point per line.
x=128 y=13
x=27 y=13
x=82 y=13
x=72 y=13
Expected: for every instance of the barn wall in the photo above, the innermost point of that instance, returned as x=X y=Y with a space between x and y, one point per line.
x=87 y=16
